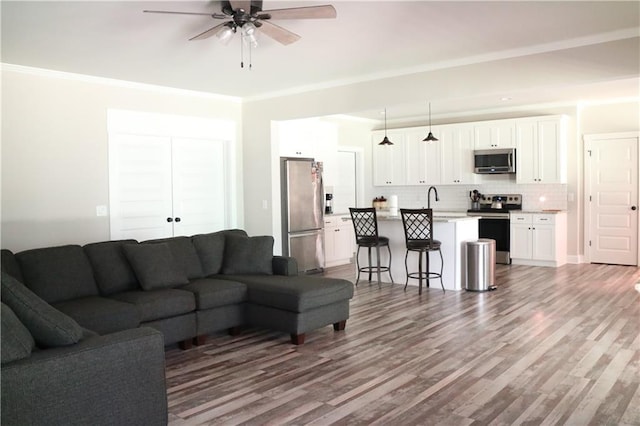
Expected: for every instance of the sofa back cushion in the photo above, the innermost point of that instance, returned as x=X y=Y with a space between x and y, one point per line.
x=57 y=274
x=111 y=269
x=155 y=266
x=48 y=326
x=10 y=264
x=248 y=255
x=184 y=253
x=210 y=249
x=17 y=343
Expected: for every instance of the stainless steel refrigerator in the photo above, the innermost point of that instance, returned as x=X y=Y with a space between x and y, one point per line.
x=302 y=212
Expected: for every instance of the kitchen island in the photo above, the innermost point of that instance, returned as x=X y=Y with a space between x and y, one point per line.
x=452 y=229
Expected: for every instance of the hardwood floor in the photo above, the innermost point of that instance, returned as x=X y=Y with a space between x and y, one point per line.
x=550 y=346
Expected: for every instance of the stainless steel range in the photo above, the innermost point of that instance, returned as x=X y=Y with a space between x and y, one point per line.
x=494 y=211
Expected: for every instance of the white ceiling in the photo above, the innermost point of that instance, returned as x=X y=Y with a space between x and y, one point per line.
x=367 y=40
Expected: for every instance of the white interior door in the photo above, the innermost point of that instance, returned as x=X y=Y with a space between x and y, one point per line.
x=199 y=199
x=140 y=186
x=611 y=171
x=344 y=188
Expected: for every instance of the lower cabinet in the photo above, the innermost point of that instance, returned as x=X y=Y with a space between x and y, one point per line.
x=339 y=240
x=539 y=239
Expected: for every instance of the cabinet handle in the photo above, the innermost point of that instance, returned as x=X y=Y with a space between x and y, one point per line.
x=633 y=208
x=178 y=219
x=169 y=219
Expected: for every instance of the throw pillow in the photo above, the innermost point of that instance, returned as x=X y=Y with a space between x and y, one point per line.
x=48 y=326
x=210 y=248
x=248 y=255
x=17 y=342
x=154 y=266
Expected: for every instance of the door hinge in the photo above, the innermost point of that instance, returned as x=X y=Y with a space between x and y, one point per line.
x=589 y=243
x=589 y=151
x=590 y=199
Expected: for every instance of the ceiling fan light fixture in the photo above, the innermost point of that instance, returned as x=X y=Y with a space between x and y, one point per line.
x=225 y=34
x=430 y=137
x=249 y=34
x=386 y=140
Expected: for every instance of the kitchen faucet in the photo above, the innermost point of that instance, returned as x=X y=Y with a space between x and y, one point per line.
x=429 y=196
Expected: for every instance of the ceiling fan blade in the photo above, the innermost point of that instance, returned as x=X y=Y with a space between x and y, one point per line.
x=308 y=12
x=208 y=33
x=278 y=33
x=241 y=4
x=213 y=15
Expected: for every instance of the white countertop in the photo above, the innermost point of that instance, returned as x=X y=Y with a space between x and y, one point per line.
x=438 y=216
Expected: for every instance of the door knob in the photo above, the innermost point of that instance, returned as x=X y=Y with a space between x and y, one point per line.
x=633 y=207
x=169 y=219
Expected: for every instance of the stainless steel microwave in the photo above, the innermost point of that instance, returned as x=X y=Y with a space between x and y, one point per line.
x=495 y=161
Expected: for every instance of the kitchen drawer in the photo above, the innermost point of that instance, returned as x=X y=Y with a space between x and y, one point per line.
x=544 y=219
x=521 y=218
x=331 y=221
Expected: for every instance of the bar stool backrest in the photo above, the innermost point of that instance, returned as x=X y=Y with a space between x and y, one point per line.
x=418 y=226
x=365 y=225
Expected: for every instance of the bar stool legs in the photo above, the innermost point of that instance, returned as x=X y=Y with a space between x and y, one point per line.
x=423 y=274
x=370 y=269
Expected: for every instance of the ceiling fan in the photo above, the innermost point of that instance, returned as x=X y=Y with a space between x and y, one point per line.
x=249 y=17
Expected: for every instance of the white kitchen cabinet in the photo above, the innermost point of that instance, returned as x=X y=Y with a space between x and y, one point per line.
x=457 y=155
x=339 y=240
x=495 y=134
x=389 y=161
x=539 y=239
x=423 y=158
x=541 y=151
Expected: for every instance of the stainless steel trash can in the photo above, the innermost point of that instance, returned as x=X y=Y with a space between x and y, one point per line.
x=481 y=265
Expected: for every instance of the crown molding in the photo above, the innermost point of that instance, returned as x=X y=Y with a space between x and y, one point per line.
x=42 y=72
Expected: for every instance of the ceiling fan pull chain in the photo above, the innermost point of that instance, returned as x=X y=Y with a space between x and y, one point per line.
x=241 y=49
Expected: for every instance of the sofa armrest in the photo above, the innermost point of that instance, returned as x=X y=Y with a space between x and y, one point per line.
x=283 y=265
x=114 y=379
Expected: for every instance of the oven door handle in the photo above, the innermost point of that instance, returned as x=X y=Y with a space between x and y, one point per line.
x=495 y=217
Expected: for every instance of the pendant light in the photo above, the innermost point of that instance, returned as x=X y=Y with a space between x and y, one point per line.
x=386 y=140
x=430 y=137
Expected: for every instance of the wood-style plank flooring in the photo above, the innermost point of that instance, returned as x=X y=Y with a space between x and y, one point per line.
x=551 y=346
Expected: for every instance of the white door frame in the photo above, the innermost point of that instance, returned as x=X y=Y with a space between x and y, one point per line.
x=587 y=186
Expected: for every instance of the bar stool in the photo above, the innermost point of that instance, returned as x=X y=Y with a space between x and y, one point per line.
x=418 y=234
x=365 y=224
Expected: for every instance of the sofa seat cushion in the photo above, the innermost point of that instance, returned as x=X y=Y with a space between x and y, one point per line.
x=159 y=304
x=211 y=292
x=101 y=314
x=294 y=293
x=58 y=273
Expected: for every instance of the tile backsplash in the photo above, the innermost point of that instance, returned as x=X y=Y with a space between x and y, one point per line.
x=456 y=198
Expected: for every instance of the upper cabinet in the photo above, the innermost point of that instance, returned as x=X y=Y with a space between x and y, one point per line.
x=423 y=158
x=541 y=150
x=309 y=138
x=540 y=144
x=495 y=134
x=389 y=161
x=457 y=146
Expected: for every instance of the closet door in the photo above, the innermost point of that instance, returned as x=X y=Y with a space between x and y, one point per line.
x=199 y=196
x=140 y=187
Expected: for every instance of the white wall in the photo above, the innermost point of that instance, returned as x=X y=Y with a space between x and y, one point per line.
x=55 y=151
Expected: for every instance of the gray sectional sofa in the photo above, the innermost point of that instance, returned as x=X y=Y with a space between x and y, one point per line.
x=185 y=287
x=130 y=299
